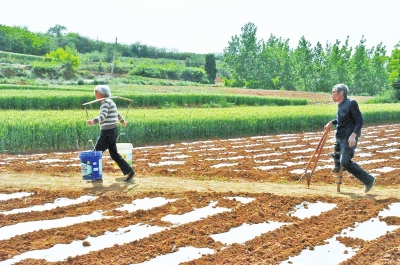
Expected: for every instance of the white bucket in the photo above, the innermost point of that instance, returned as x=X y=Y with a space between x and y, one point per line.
x=125 y=150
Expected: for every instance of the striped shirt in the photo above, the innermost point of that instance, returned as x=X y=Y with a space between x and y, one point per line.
x=109 y=115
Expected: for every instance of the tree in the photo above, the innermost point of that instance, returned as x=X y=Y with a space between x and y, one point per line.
x=394 y=67
x=269 y=64
x=275 y=65
x=242 y=56
x=211 y=68
x=56 y=31
x=20 y=40
x=78 y=42
x=304 y=58
x=359 y=68
x=322 y=77
x=338 y=62
x=68 y=58
x=379 y=75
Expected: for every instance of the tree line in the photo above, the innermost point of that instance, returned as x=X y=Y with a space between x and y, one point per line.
x=272 y=64
x=247 y=62
x=66 y=47
x=20 y=40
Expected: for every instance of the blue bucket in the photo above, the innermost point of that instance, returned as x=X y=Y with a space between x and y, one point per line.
x=91 y=165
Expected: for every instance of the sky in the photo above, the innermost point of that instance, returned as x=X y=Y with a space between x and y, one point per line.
x=207 y=26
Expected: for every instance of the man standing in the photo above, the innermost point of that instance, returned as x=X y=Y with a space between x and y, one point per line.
x=349 y=122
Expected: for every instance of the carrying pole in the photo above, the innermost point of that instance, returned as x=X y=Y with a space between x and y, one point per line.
x=100 y=99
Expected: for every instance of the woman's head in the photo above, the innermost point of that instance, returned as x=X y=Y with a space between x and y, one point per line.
x=103 y=90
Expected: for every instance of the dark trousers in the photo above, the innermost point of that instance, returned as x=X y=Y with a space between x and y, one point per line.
x=346 y=154
x=108 y=140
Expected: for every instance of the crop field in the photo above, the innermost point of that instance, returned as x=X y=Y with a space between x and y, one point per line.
x=67 y=97
x=219 y=201
x=47 y=130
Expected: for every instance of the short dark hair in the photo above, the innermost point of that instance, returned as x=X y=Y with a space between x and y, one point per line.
x=341 y=87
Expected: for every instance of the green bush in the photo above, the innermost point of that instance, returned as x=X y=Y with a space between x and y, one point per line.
x=10 y=71
x=68 y=58
x=81 y=81
x=194 y=75
x=47 y=70
x=170 y=71
x=387 y=96
x=164 y=71
x=396 y=86
x=101 y=81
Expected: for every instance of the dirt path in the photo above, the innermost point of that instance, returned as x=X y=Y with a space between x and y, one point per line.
x=113 y=182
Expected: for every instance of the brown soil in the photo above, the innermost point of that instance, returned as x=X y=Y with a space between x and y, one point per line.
x=263 y=168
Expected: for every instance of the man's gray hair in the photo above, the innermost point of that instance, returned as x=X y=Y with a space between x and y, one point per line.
x=104 y=90
x=341 y=87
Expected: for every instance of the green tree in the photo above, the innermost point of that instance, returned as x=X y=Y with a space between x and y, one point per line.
x=242 y=56
x=286 y=65
x=360 y=69
x=379 y=74
x=338 y=59
x=275 y=65
x=56 y=31
x=68 y=58
x=195 y=60
x=78 y=42
x=394 y=70
x=20 y=40
x=211 y=68
x=304 y=57
x=394 y=66
x=322 y=76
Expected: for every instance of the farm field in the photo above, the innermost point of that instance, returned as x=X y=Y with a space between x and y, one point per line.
x=227 y=201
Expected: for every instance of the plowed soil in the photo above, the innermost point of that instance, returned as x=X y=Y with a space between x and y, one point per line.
x=266 y=168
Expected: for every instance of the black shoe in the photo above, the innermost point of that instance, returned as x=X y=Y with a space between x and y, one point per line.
x=369 y=186
x=130 y=176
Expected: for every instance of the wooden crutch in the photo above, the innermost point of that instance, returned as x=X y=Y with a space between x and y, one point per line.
x=312 y=163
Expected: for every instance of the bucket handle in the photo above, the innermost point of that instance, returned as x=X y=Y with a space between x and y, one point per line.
x=126 y=137
x=87 y=144
x=126 y=116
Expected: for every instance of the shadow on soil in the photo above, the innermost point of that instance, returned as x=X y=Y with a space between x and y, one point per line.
x=120 y=185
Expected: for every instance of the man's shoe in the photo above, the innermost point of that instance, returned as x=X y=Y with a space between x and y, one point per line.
x=130 y=176
x=369 y=186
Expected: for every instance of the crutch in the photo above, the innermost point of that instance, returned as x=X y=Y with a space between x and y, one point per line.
x=312 y=163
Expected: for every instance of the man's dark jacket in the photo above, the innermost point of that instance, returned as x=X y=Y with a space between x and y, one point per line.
x=348 y=119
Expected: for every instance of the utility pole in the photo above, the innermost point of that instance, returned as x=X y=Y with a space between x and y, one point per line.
x=115 y=47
